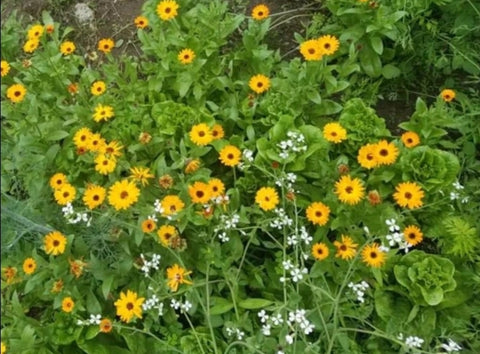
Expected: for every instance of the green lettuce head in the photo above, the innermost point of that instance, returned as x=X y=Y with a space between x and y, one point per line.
x=427 y=277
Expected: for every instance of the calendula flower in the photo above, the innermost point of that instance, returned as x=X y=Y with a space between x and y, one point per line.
x=373 y=256
x=106 y=45
x=167 y=10
x=230 y=155
x=374 y=197
x=329 y=44
x=105 y=325
x=349 y=190
x=385 y=153
x=16 y=93
x=68 y=304
x=98 y=88
x=165 y=233
x=176 y=276
x=410 y=139
x=112 y=149
x=58 y=180
x=172 y=204
x=55 y=243
x=76 y=267
x=217 y=132
x=72 y=88
x=320 y=251
x=66 y=194
x=259 y=83
x=260 y=12
x=216 y=187
x=57 y=286
x=35 y=32
x=129 y=305
x=267 y=198
x=165 y=181
x=192 y=165
x=413 y=235
x=5 y=67
x=318 y=213
x=82 y=137
x=200 y=134
x=199 y=193
x=346 y=249
x=141 y=22
x=448 y=95
x=3 y=348
x=67 y=48
x=105 y=164
x=144 y=138
x=31 y=45
x=96 y=143
x=186 y=56
x=366 y=156
x=9 y=273
x=311 y=50
x=141 y=175
x=123 y=194
x=148 y=226
x=409 y=194
x=50 y=28
x=103 y=113
x=334 y=132
x=94 y=196
x=29 y=266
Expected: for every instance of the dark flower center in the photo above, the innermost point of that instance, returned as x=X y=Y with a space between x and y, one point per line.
x=56 y=243
x=408 y=195
x=326 y=46
x=411 y=235
x=17 y=93
x=168 y=10
x=349 y=189
x=199 y=194
x=124 y=194
x=130 y=306
x=230 y=156
x=318 y=214
x=311 y=51
x=105 y=162
x=384 y=152
x=373 y=255
x=66 y=194
x=96 y=198
x=201 y=134
x=343 y=247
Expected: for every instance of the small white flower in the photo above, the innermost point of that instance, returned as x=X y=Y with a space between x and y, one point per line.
x=266 y=330
x=457 y=185
x=175 y=304
x=451 y=346
x=240 y=334
x=454 y=195
x=223 y=237
x=263 y=316
x=277 y=319
x=80 y=323
x=414 y=342
x=465 y=200
x=287 y=264
x=95 y=319
x=160 y=309
x=292 y=240
x=289 y=338
x=186 y=306
x=158 y=206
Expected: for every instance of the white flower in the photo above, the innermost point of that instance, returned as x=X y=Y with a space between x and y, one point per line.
x=95 y=319
x=451 y=346
x=457 y=185
x=175 y=304
x=287 y=264
x=80 y=323
x=277 y=319
x=292 y=240
x=186 y=306
x=305 y=236
x=240 y=334
x=297 y=274
x=158 y=206
x=289 y=338
x=263 y=316
x=454 y=195
x=223 y=237
x=465 y=200
x=247 y=155
x=160 y=309
x=266 y=330
x=414 y=342
x=392 y=225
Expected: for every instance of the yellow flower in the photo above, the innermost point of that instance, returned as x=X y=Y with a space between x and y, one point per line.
x=67 y=304
x=171 y=205
x=141 y=22
x=385 y=153
x=166 y=233
x=94 y=196
x=186 y=56
x=98 y=88
x=328 y=44
x=260 y=12
x=366 y=156
x=175 y=275
x=318 y=213
x=217 y=132
x=334 y=133
x=267 y=198
x=29 y=266
x=96 y=143
x=141 y=175
x=67 y=48
x=448 y=95
x=76 y=267
x=112 y=149
x=192 y=165
x=148 y=225
x=31 y=45
x=410 y=139
x=105 y=164
x=35 y=32
x=58 y=180
x=129 y=305
x=106 y=45
x=413 y=235
x=409 y=194
x=82 y=137
x=373 y=256
x=311 y=50
x=349 y=190
x=16 y=93
x=230 y=155
x=259 y=83
x=320 y=251
x=5 y=68
x=65 y=195
x=123 y=194
x=345 y=249
x=167 y=10
x=4 y=348
x=200 y=134
x=105 y=325
x=103 y=113
x=199 y=193
x=216 y=187
x=55 y=243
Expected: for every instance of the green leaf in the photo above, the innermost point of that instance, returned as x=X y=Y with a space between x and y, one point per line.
x=57 y=135
x=390 y=71
x=377 y=44
x=107 y=285
x=221 y=306
x=254 y=303
x=370 y=62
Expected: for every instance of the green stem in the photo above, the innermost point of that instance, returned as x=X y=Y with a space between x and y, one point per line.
x=255 y=350
x=164 y=344
x=207 y=296
x=194 y=332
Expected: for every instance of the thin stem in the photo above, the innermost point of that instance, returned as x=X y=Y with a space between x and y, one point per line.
x=194 y=332
x=165 y=344
x=207 y=297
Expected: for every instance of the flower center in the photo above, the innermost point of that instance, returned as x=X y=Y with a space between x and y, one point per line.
x=326 y=46
x=17 y=93
x=411 y=236
x=130 y=306
x=96 y=198
x=259 y=84
x=333 y=133
x=124 y=194
x=373 y=254
x=260 y=13
x=199 y=194
x=56 y=243
x=384 y=152
x=105 y=162
x=311 y=51
x=168 y=10
x=343 y=248
x=66 y=194
x=201 y=134
x=318 y=214
x=409 y=141
x=230 y=156
x=349 y=189
x=408 y=195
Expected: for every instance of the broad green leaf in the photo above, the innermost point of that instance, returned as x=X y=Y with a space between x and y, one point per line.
x=254 y=303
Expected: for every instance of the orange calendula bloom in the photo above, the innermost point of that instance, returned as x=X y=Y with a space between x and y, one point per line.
x=167 y=10
x=68 y=304
x=9 y=273
x=328 y=44
x=106 y=45
x=57 y=286
x=98 y=88
x=176 y=276
x=141 y=22
x=16 y=93
x=448 y=95
x=259 y=83
x=148 y=225
x=31 y=45
x=76 y=267
x=105 y=325
x=186 y=56
x=129 y=305
x=230 y=156
x=410 y=139
x=72 y=88
x=267 y=198
x=217 y=132
x=29 y=266
x=260 y=12
x=5 y=68
x=373 y=256
x=409 y=194
x=318 y=213
x=55 y=243
x=67 y=48
x=50 y=28
x=311 y=50
x=345 y=249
